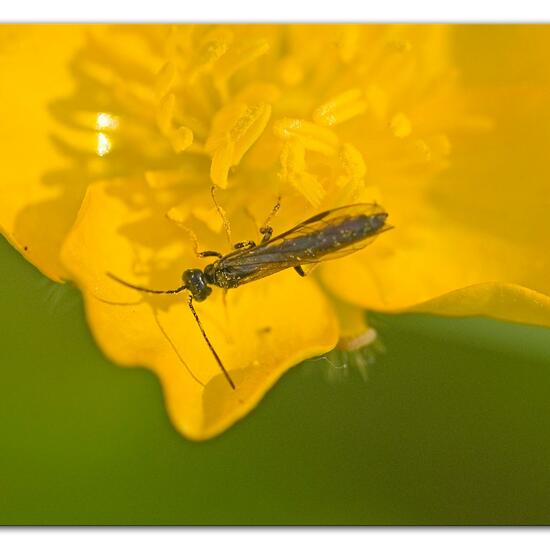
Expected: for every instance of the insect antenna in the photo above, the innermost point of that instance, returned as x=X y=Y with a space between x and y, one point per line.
x=219 y=361
x=143 y=289
x=195 y=315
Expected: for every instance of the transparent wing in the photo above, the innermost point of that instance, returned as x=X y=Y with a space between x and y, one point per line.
x=325 y=236
x=329 y=218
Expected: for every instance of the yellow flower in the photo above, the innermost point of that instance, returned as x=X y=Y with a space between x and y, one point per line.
x=114 y=135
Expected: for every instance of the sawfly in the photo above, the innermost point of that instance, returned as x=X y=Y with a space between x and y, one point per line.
x=325 y=236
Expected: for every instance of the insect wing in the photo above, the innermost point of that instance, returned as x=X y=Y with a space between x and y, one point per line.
x=331 y=219
x=317 y=239
x=256 y=263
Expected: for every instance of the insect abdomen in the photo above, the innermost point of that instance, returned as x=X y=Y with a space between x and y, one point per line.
x=291 y=249
x=333 y=237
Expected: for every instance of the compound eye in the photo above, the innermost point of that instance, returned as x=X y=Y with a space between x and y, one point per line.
x=202 y=293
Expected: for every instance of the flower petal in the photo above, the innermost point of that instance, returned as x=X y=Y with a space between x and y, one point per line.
x=481 y=227
x=264 y=329
x=496 y=300
x=322 y=115
x=38 y=202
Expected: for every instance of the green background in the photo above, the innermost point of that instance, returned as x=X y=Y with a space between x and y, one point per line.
x=451 y=427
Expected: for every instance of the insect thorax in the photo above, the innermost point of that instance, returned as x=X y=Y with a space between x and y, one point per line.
x=220 y=275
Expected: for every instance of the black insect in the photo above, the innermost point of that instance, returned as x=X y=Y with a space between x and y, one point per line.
x=326 y=236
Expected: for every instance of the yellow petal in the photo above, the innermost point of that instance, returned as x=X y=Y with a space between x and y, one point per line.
x=474 y=243
x=38 y=199
x=266 y=327
x=361 y=113
x=496 y=300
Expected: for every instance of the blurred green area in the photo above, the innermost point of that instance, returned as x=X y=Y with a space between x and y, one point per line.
x=451 y=427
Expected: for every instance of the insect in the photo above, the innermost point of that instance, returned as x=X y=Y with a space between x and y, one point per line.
x=325 y=236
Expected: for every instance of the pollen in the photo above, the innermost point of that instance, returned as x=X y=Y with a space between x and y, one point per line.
x=208 y=54
x=295 y=173
x=340 y=108
x=235 y=129
x=311 y=136
x=353 y=166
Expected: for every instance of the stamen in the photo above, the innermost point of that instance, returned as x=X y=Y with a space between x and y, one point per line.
x=358 y=341
x=352 y=161
x=212 y=48
x=239 y=56
x=312 y=136
x=290 y=71
x=348 y=43
x=181 y=139
x=165 y=113
x=341 y=108
x=294 y=172
x=377 y=101
x=235 y=129
x=221 y=163
x=165 y=79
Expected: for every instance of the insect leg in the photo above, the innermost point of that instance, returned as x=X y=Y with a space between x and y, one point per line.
x=199 y=254
x=225 y=221
x=209 y=253
x=218 y=360
x=299 y=270
x=266 y=230
x=244 y=244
